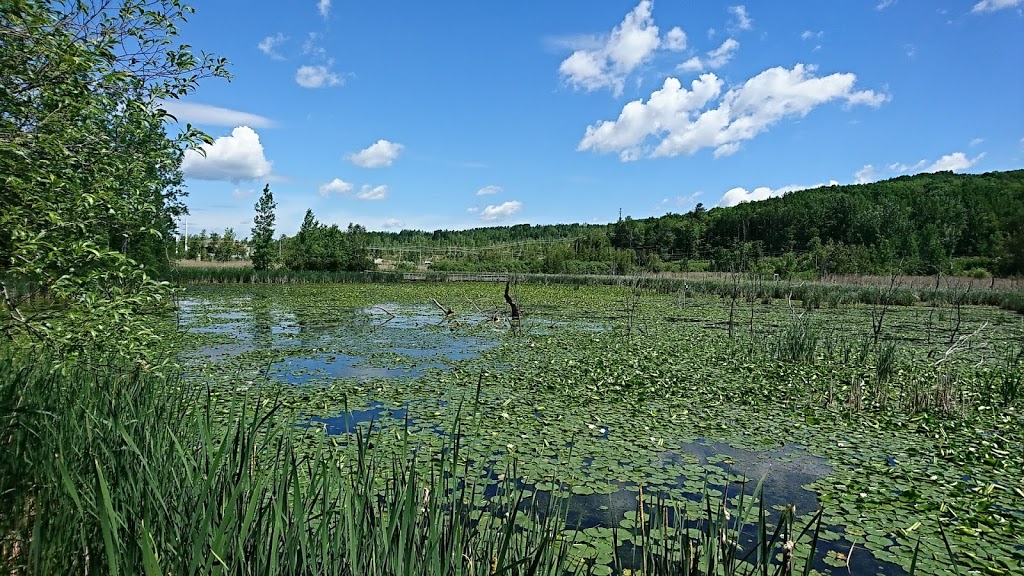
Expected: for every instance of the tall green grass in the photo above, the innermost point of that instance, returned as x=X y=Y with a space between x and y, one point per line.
x=112 y=473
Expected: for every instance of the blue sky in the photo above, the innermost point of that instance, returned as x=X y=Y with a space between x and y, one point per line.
x=458 y=114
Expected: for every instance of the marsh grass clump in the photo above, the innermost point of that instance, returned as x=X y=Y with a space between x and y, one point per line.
x=939 y=391
x=1010 y=377
x=798 y=341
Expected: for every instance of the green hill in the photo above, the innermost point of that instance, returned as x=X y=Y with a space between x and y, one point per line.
x=923 y=224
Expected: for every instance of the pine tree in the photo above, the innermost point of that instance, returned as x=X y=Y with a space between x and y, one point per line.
x=263 y=231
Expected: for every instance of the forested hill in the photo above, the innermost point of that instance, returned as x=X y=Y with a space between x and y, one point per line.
x=918 y=224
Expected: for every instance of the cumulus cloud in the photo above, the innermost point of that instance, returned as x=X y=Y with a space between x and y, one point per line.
x=865 y=174
x=196 y=113
x=631 y=43
x=501 y=211
x=715 y=59
x=337 y=186
x=950 y=162
x=368 y=192
x=269 y=45
x=739 y=195
x=241 y=193
x=994 y=5
x=317 y=76
x=488 y=190
x=675 y=40
x=682 y=122
x=955 y=161
x=741 y=20
x=393 y=223
x=236 y=158
x=382 y=153
x=323 y=7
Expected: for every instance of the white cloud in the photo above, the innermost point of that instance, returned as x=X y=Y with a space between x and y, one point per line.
x=574 y=42
x=238 y=157
x=955 y=161
x=910 y=50
x=312 y=45
x=631 y=43
x=901 y=167
x=393 y=223
x=739 y=195
x=678 y=201
x=269 y=44
x=240 y=193
x=677 y=117
x=316 y=77
x=976 y=141
x=382 y=153
x=501 y=211
x=865 y=174
x=196 y=113
x=488 y=190
x=337 y=186
x=741 y=18
x=472 y=209
x=720 y=56
x=368 y=192
x=993 y=5
x=715 y=59
x=324 y=8
x=675 y=40
x=692 y=65
x=884 y=4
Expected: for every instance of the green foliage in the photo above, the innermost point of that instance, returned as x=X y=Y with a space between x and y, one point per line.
x=90 y=180
x=262 y=242
x=926 y=224
x=317 y=247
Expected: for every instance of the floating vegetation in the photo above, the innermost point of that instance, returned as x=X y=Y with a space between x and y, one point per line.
x=898 y=441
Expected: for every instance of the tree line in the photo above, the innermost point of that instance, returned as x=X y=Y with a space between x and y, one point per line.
x=928 y=224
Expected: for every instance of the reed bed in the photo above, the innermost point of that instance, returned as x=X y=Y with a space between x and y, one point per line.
x=124 y=473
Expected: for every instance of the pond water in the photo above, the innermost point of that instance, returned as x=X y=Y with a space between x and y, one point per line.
x=546 y=398
x=385 y=341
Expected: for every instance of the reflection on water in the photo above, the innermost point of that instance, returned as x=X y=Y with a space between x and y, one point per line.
x=386 y=341
x=784 y=474
x=305 y=370
x=347 y=422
